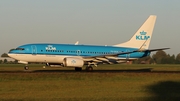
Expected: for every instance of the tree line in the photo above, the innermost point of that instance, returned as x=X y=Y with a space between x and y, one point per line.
x=160 y=57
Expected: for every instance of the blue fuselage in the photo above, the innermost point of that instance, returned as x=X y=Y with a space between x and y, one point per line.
x=76 y=50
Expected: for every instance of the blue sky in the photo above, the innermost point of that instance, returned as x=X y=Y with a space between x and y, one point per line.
x=99 y=22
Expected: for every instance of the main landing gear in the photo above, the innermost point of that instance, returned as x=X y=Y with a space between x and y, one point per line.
x=89 y=68
x=78 y=69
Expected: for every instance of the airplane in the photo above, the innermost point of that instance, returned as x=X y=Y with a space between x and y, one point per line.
x=77 y=56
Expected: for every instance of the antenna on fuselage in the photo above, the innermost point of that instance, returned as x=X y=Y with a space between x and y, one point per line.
x=77 y=43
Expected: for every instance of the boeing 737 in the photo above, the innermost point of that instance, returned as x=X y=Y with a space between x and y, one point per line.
x=75 y=55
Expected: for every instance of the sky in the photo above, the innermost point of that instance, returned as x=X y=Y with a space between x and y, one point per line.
x=93 y=22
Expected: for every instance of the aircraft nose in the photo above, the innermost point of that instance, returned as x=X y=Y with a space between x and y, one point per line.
x=10 y=55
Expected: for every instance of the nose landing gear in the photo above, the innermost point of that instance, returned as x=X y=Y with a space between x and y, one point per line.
x=26 y=67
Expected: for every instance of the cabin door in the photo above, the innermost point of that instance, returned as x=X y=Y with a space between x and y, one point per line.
x=78 y=52
x=34 y=50
x=127 y=55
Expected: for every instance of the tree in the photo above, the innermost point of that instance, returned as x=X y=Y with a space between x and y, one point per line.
x=5 y=61
x=15 y=61
x=160 y=57
x=172 y=59
x=4 y=55
x=178 y=59
x=1 y=61
x=144 y=60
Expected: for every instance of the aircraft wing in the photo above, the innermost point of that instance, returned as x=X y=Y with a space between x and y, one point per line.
x=110 y=55
x=114 y=57
x=107 y=58
x=122 y=53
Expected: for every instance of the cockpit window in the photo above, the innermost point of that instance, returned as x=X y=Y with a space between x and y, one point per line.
x=11 y=50
x=19 y=48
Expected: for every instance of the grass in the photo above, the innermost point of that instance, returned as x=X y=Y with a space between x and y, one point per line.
x=166 y=67
x=104 y=86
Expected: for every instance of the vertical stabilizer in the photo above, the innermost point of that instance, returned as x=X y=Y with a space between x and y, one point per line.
x=142 y=37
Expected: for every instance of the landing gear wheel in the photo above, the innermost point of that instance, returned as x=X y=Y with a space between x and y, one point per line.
x=89 y=68
x=26 y=67
x=78 y=69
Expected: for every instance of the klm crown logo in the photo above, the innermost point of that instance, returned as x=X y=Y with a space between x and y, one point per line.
x=142 y=36
x=143 y=33
x=50 y=47
x=73 y=61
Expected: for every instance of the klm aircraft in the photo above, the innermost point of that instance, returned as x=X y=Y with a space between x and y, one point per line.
x=75 y=55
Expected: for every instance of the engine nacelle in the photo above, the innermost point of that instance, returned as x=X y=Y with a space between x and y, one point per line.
x=73 y=62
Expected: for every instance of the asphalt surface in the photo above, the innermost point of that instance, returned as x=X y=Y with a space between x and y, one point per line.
x=146 y=70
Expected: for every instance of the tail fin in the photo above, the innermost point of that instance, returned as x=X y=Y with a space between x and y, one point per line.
x=142 y=37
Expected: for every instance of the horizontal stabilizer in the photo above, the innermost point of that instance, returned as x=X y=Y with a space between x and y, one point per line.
x=151 y=50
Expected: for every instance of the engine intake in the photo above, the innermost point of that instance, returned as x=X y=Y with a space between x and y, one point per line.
x=73 y=62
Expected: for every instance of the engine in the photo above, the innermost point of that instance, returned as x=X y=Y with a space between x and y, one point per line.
x=73 y=62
